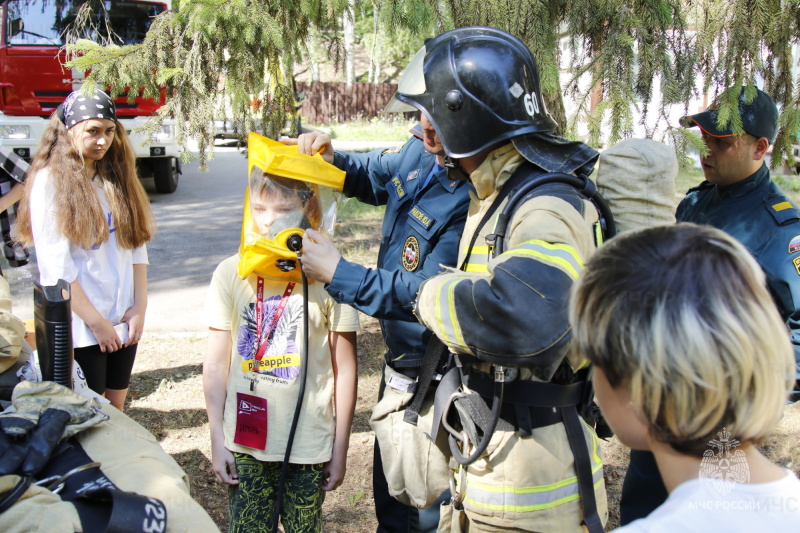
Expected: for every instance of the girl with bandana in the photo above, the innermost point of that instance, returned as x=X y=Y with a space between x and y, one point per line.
x=88 y=217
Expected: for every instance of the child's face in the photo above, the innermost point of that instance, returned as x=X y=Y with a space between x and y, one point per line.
x=93 y=137
x=620 y=413
x=266 y=210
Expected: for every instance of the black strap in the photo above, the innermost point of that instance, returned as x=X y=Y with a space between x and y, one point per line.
x=530 y=393
x=116 y=511
x=10 y=497
x=434 y=354
x=583 y=469
x=510 y=186
x=96 y=498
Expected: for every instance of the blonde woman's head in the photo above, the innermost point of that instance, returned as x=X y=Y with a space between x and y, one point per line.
x=680 y=319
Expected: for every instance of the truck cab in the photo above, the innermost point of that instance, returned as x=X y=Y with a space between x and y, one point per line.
x=33 y=80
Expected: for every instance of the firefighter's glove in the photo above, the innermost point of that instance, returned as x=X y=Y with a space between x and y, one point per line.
x=29 y=454
x=30 y=400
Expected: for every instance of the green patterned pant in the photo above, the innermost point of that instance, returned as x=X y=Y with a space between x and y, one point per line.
x=252 y=501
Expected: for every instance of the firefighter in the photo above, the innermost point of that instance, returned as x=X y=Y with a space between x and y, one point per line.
x=424 y=217
x=535 y=466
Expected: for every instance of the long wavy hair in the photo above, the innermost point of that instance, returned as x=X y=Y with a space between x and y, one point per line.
x=79 y=216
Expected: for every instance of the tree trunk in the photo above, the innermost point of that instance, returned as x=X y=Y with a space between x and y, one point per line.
x=349 y=28
x=555 y=106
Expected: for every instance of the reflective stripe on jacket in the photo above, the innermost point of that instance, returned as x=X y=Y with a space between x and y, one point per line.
x=482 y=310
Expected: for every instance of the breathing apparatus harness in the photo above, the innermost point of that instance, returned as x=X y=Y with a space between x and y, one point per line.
x=530 y=404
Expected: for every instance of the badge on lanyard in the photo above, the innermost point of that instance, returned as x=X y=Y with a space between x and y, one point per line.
x=251 y=421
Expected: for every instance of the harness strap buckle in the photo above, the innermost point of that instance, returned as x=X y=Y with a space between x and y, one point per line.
x=56 y=483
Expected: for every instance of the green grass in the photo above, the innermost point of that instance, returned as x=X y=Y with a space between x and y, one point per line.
x=687 y=179
x=390 y=128
x=355 y=210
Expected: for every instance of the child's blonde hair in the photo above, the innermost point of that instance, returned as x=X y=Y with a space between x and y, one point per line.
x=264 y=185
x=681 y=318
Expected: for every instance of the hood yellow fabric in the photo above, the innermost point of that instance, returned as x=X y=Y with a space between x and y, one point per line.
x=285 y=161
x=495 y=170
x=258 y=254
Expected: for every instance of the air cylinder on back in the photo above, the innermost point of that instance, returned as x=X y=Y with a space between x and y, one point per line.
x=53 y=324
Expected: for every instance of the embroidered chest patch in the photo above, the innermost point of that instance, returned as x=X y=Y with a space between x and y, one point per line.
x=421 y=217
x=796 y=262
x=410 y=257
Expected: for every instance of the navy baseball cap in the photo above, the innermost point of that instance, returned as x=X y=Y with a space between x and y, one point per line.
x=759 y=118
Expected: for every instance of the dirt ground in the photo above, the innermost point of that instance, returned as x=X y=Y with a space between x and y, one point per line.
x=166 y=397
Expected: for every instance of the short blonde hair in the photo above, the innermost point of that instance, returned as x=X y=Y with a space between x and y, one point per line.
x=264 y=186
x=681 y=318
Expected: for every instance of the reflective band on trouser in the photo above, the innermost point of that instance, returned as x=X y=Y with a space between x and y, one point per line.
x=478 y=259
x=598 y=234
x=446 y=312
x=526 y=499
x=562 y=256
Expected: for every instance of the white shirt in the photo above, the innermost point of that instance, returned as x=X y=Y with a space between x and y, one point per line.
x=105 y=273
x=699 y=505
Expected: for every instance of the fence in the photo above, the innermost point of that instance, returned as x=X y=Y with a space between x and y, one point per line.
x=328 y=102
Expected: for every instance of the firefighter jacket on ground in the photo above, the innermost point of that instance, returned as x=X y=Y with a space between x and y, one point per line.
x=522 y=482
x=129 y=457
x=421 y=228
x=758 y=214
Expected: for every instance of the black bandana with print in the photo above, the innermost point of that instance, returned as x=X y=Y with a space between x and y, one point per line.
x=77 y=108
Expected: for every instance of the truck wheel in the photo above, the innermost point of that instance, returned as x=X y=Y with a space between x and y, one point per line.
x=165 y=174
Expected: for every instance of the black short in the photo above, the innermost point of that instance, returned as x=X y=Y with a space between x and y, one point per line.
x=106 y=370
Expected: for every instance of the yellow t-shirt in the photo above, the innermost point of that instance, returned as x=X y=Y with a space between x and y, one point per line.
x=231 y=306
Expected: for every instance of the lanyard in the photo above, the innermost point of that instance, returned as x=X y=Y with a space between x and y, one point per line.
x=260 y=315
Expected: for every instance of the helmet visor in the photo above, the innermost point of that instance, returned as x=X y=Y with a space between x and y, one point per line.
x=411 y=83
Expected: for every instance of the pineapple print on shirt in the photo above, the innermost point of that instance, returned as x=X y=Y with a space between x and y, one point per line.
x=273 y=355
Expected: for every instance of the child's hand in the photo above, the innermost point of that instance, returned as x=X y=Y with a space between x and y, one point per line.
x=223 y=465
x=320 y=256
x=333 y=473
x=103 y=330
x=135 y=319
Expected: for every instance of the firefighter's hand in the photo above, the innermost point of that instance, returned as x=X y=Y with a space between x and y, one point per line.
x=320 y=256
x=312 y=143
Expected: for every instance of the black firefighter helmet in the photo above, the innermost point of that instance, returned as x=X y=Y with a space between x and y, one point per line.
x=478 y=86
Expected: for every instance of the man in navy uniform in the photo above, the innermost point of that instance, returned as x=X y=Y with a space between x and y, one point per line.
x=739 y=198
x=424 y=219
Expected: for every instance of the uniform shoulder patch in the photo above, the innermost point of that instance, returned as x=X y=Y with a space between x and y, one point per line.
x=410 y=252
x=781 y=209
x=796 y=262
x=397 y=187
x=794 y=244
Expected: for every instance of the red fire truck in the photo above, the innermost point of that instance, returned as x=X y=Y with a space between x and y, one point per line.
x=33 y=80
